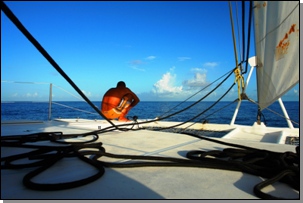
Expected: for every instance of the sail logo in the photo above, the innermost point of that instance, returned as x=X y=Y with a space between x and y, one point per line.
x=283 y=46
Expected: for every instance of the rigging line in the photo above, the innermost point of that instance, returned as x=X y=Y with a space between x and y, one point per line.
x=248 y=37
x=67 y=92
x=230 y=72
x=110 y=128
x=238 y=70
x=239 y=38
x=158 y=119
x=233 y=33
x=274 y=112
x=27 y=34
x=199 y=99
x=202 y=111
x=243 y=30
x=162 y=118
x=213 y=113
x=194 y=94
x=35 y=83
x=74 y=108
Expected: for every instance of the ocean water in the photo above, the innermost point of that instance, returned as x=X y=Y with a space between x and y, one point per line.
x=221 y=113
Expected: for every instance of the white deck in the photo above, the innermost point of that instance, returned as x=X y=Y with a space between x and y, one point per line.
x=140 y=182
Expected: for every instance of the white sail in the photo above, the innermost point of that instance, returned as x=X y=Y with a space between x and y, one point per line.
x=277 y=48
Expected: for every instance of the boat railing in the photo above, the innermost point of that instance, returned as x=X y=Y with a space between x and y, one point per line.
x=50 y=97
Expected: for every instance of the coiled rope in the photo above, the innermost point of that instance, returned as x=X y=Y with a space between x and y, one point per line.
x=274 y=166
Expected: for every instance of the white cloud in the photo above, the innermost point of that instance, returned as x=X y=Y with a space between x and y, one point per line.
x=210 y=64
x=199 y=80
x=150 y=58
x=136 y=68
x=183 y=58
x=166 y=85
x=88 y=94
x=29 y=95
x=198 y=70
x=136 y=62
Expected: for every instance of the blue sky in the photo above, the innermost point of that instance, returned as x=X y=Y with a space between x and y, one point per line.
x=164 y=51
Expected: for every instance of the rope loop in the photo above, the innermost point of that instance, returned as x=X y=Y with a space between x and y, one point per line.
x=240 y=81
x=274 y=166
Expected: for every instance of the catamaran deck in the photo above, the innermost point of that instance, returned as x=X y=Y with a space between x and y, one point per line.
x=237 y=132
x=138 y=182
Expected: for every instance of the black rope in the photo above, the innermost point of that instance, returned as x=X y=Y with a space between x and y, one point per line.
x=107 y=129
x=110 y=128
x=181 y=130
x=275 y=166
x=211 y=106
x=27 y=34
x=243 y=31
x=69 y=152
x=196 y=102
x=258 y=188
x=249 y=33
x=45 y=136
x=196 y=93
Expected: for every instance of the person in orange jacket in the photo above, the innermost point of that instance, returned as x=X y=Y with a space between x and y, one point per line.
x=117 y=102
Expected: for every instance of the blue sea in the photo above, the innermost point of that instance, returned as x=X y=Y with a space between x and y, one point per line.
x=221 y=113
